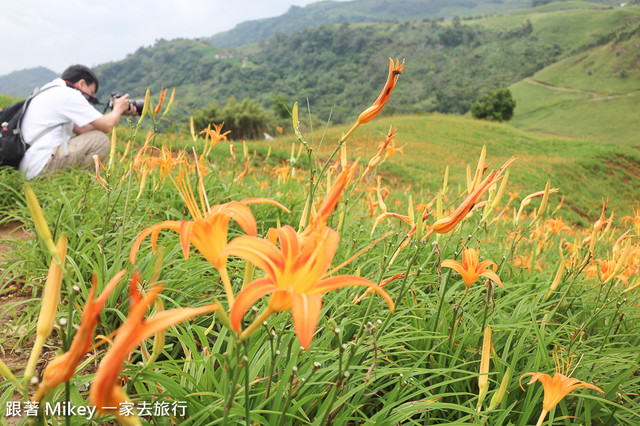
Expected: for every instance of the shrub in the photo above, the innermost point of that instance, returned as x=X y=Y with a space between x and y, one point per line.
x=245 y=120
x=497 y=105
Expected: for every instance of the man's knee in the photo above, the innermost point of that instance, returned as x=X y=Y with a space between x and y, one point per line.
x=80 y=150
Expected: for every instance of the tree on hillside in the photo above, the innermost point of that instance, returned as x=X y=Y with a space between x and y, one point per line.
x=245 y=120
x=497 y=105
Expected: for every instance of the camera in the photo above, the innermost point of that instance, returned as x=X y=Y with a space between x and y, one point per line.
x=138 y=103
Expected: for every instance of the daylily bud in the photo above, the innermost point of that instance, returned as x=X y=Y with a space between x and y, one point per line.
x=496 y=399
x=41 y=224
x=483 y=380
x=49 y=308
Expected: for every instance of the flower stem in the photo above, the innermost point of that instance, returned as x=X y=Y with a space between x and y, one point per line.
x=541 y=418
x=256 y=323
x=226 y=282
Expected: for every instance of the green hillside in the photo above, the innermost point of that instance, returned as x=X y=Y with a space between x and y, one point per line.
x=331 y=12
x=585 y=171
x=21 y=83
x=341 y=68
x=594 y=94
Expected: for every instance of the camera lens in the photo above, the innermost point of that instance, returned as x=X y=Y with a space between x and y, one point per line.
x=139 y=104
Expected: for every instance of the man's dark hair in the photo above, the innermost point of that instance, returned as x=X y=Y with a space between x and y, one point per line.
x=75 y=73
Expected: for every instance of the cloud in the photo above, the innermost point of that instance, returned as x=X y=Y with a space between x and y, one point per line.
x=56 y=34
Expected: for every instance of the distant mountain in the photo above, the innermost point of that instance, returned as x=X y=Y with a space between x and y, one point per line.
x=21 y=83
x=338 y=69
x=331 y=12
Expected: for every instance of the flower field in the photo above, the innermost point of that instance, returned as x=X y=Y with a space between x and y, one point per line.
x=213 y=284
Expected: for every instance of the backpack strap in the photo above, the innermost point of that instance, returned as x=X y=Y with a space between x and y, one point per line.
x=35 y=92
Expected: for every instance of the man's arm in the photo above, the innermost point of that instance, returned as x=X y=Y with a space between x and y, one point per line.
x=107 y=122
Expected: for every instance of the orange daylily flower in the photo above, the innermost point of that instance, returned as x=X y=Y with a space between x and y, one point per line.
x=448 y=223
x=525 y=262
x=602 y=222
x=381 y=150
x=471 y=269
x=215 y=135
x=558 y=386
x=367 y=115
x=295 y=277
x=392 y=150
x=105 y=391
x=63 y=367
x=556 y=226
x=296 y=272
x=208 y=234
x=635 y=219
x=394 y=72
x=245 y=171
x=527 y=200
x=381 y=193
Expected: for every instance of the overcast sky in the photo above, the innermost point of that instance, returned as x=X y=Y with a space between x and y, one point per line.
x=58 y=33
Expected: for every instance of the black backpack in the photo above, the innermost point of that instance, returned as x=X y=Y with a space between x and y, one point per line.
x=12 y=144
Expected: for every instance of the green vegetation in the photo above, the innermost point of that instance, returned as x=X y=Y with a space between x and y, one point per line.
x=449 y=67
x=350 y=358
x=591 y=95
x=5 y=100
x=21 y=83
x=585 y=171
x=497 y=105
x=245 y=120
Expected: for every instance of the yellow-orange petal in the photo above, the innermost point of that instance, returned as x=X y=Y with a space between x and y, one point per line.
x=492 y=276
x=261 y=253
x=259 y=200
x=247 y=297
x=153 y=230
x=305 y=311
x=342 y=281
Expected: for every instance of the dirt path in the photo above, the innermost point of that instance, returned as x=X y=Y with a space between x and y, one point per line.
x=560 y=89
x=11 y=301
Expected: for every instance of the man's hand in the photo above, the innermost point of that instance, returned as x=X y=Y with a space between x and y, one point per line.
x=123 y=106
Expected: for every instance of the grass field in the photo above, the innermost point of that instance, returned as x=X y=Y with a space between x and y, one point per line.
x=342 y=294
x=437 y=343
x=586 y=171
x=593 y=94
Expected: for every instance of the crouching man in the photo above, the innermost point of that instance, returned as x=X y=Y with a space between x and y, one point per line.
x=64 y=108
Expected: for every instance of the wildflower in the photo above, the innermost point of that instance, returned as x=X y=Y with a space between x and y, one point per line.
x=330 y=201
x=602 y=222
x=296 y=272
x=472 y=184
x=394 y=72
x=527 y=200
x=367 y=115
x=245 y=172
x=447 y=223
x=558 y=386
x=497 y=397
x=49 y=307
x=525 y=262
x=483 y=379
x=392 y=150
x=556 y=226
x=62 y=368
x=215 y=135
x=381 y=150
x=105 y=391
x=295 y=276
x=470 y=269
x=208 y=233
x=635 y=219
x=381 y=192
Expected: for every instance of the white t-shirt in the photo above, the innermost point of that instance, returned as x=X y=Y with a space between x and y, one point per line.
x=58 y=105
